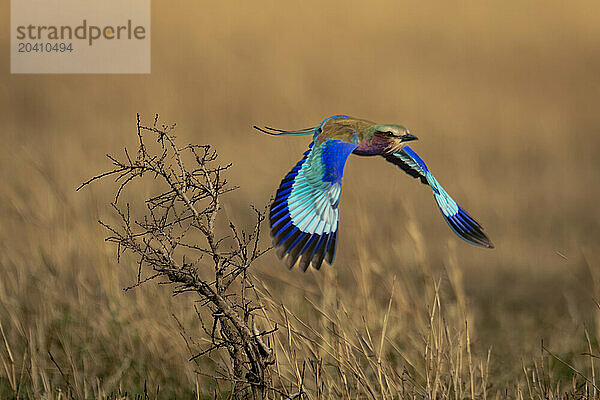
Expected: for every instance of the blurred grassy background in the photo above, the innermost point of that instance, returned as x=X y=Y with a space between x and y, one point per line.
x=502 y=95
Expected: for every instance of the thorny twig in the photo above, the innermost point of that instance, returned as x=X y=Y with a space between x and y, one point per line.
x=177 y=238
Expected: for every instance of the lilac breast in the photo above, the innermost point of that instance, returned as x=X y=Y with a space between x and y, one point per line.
x=374 y=147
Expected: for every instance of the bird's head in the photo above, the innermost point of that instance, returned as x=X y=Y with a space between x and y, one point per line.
x=396 y=133
x=393 y=136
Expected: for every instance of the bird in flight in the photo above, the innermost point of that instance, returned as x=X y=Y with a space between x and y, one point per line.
x=304 y=215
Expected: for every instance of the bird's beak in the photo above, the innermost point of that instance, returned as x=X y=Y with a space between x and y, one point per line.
x=408 y=137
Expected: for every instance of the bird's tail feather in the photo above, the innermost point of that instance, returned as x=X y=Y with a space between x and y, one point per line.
x=279 y=132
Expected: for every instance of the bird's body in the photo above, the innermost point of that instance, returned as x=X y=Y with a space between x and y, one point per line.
x=357 y=131
x=304 y=215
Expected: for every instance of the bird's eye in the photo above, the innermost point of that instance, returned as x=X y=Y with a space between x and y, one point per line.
x=387 y=133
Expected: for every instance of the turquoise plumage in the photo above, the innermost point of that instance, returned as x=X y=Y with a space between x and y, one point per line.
x=304 y=215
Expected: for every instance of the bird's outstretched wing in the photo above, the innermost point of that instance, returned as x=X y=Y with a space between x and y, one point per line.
x=458 y=219
x=304 y=215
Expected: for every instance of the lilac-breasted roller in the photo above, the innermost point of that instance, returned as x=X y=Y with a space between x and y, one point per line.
x=304 y=215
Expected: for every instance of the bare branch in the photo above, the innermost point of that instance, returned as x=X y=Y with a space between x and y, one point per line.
x=188 y=185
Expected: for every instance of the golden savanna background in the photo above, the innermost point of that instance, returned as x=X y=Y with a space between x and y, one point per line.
x=504 y=99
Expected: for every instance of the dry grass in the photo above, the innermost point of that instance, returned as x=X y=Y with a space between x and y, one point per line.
x=503 y=97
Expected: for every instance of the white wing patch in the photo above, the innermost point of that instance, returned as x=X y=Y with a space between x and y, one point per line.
x=313 y=203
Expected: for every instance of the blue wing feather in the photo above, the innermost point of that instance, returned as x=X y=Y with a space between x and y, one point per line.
x=457 y=218
x=304 y=215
